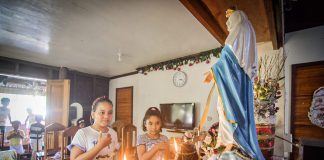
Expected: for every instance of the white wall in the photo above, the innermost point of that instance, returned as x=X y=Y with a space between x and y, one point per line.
x=300 y=47
x=157 y=87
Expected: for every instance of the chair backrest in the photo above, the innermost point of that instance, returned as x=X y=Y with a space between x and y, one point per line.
x=117 y=126
x=128 y=143
x=51 y=138
x=67 y=136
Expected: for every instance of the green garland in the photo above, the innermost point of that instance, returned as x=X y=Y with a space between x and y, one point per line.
x=175 y=64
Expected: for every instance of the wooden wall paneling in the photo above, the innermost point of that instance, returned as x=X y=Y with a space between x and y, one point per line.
x=101 y=87
x=33 y=71
x=85 y=88
x=8 y=67
x=83 y=93
x=27 y=69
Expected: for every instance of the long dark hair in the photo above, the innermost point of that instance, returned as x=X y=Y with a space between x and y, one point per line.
x=96 y=102
x=152 y=111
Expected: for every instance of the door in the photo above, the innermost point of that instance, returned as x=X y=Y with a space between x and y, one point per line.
x=57 y=102
x=124 y=104
x=306 y=78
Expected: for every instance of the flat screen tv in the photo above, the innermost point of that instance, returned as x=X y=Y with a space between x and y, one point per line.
x=178 y=115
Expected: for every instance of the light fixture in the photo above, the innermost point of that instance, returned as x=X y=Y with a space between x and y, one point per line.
x=119 y=56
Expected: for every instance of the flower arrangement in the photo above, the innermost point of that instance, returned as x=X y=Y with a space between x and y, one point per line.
x=188 y=136
x=266 y=85
x=209 y=145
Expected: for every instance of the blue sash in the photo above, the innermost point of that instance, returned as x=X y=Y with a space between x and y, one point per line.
x=236 y=91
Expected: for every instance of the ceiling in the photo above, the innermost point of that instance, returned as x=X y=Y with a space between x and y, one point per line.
x=302 y=14
x=88 y=36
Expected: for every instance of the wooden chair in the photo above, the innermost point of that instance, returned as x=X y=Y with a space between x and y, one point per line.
x=117 y=126
x=2 y=137
x=51 y=141
x=128 y=143
x=66 y=138
x=8 y=155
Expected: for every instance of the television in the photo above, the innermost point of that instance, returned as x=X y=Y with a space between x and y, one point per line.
x=178 y=115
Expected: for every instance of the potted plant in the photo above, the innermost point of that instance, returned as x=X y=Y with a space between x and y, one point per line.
x=267 y=91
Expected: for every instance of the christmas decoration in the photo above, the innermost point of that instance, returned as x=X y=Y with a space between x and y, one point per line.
x=176 y=64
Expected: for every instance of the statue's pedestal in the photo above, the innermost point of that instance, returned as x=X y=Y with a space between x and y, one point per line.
x=266 y=136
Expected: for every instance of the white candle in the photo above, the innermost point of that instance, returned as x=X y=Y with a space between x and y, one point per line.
x=175 y=146
x=176 y=149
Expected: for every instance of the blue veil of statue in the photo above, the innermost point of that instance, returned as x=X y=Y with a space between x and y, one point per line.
x=236 y=92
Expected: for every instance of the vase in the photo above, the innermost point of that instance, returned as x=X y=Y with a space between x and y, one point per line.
x=266 y=135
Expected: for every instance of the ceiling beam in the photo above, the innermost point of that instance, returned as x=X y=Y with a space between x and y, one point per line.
x=265 y=16
x=204 y=16
x=275 y=28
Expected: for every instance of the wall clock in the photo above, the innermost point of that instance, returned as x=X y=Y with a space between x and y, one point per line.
x=179 y=79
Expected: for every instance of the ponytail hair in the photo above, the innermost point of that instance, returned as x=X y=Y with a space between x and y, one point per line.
x=152 y=111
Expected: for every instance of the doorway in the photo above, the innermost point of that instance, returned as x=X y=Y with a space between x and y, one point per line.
x=25 y=97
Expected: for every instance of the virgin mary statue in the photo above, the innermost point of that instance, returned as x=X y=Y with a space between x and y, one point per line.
x=233 y=74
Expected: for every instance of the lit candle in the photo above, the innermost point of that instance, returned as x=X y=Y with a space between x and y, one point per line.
x=125 y=157
x=176 y=149
x=175 y=146
x=198 y=144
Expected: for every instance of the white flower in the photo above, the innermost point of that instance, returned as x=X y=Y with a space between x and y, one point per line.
x=208 y=139
x=267 y=114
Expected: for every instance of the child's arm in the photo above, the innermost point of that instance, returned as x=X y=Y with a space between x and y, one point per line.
x=9 y=116
x=78 y=154
x=21 y=134
x=26 y=119
x=11 y=135
x=146 y=155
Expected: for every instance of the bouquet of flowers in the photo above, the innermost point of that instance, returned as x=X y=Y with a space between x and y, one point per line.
x=209 y=144
x=266 y=85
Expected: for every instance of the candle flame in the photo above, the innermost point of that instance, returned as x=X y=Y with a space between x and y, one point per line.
x=175 y=145
x=125 y=157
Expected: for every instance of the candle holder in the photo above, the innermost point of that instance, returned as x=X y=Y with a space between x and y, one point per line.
x=187 y=151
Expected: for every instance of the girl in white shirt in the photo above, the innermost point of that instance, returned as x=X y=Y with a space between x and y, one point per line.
x=96 y=141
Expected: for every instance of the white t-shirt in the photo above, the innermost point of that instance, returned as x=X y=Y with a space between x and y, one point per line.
x=86 y=138
x=31 y=120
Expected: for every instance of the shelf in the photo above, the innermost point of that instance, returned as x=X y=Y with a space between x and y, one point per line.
x=176 y=130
